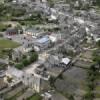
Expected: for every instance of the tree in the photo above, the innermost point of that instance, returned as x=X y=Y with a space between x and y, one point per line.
x=96 y=56
x=98 y=43
x=51 y=81
x=24 y=56
x=96 y=3
x=71 y=97
x=33 y=57
x=19 y=66
x=25 y=62
x=10 y=53
x=89 y=96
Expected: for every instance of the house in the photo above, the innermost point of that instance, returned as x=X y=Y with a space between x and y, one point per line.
x=18 y=53
x=14 y=73
x=11 y=31
x=33 y=32
x=3 y=85
x=55 y=37
x=65 y=61
x=53 y=15
x=52 y=59
x=47 y=96
x=56 y=59
x=43 y=43
x=17 y=76
x=79 y=20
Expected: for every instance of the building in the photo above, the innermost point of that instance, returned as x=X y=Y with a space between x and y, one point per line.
x=55 y=37
x=47 y=96
x=33 y=32
x=65 y=61
x=53 y=15
x=3 y=85
x=28 y=79
x=11 y=31
x=18 y=53
x=42 y=43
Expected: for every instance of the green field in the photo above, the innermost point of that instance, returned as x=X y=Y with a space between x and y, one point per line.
x=35 y=97
x=6 y=44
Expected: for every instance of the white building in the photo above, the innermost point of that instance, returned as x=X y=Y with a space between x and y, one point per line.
x=65 y=61
x=33 y=32
x=28 y=79
x=55 y=37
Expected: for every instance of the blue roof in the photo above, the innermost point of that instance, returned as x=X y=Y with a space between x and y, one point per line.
x=43 y=40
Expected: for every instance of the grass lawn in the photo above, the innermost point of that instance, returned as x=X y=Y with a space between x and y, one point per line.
x=7 y=44
x=4 y=43
x=97 y=95
x=98 y=88
x=35 y=97
x=3 y=27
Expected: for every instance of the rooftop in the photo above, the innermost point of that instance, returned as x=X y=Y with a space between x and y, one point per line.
x=43 y=40
x=65 y=60
x=15 y=72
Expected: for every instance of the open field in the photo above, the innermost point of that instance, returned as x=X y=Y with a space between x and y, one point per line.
x=6 y=44
x=35 y=97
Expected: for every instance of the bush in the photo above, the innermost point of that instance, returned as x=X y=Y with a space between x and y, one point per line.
x=9 y=25
x=25 y=62
x=33 y=57
x=24 y=56
x=19 y=66
x=89 y=96
x=22 y=23
x=71 y=97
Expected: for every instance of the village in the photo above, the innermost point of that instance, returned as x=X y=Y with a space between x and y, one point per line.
x=49 y=50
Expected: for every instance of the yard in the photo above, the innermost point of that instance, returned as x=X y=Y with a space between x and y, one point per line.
x=6 y=44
